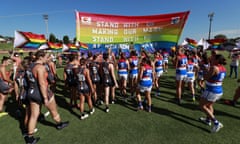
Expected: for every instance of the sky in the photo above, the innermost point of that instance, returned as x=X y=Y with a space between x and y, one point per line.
x=27 y=15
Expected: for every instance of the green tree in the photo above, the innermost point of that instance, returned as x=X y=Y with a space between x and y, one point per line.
x=220 y=36
x=66 y=39
x=74 y=40
x=52 y=38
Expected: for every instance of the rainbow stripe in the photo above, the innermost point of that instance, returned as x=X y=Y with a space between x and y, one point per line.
x=28 y=40
x=216 y=43
x=55 y=46
x=162 y=31
x=34 y=38
x=72 y=47
x=191 y=42
x=83 y=46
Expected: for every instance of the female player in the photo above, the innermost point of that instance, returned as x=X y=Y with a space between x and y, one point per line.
x=214 y=78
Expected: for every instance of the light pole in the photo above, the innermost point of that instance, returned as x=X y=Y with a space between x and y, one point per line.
x=45 y=17
x=210 y=15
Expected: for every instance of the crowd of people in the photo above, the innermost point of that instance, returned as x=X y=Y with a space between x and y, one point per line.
x=95 y=77
x=32 y=79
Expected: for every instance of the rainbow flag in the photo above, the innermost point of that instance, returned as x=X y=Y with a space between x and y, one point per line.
x=216 y=43
x=83 y=46
x=161 y=31
x=191 y=43
x=28 y=40
x=55 y=46
x=72 y=47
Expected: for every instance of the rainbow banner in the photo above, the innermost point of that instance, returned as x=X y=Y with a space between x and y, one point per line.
x=149 y=32
x=28 y=40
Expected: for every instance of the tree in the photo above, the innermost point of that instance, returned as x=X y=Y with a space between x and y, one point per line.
x=74 y=40
x=66 y=39
x=220 y=36
x=52 y=38
x=237 y=39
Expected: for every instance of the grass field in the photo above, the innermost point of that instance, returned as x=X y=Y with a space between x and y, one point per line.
x=167 y=124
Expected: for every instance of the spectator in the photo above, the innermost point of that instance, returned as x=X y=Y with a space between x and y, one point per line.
x=234 y=65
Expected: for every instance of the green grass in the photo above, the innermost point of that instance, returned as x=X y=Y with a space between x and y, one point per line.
x=167 y=124
x=5 y=46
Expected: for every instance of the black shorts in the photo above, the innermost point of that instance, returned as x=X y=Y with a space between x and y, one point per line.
x=84 y=90
x=108 y=84
x=23 y=97
x=34 y=95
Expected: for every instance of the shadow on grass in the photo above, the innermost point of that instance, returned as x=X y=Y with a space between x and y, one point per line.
x=48 y=123
x=224 y=102
x=180 y=117
x=218 y=112
x=128 y=103
x=15 y=111
x=61 y=94
x=18 y=113
x=187 y=103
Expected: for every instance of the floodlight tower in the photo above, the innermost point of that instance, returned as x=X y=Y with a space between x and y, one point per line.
x=210 y=15
x=45 y=17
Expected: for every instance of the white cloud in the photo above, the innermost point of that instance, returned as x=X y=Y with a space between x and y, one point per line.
x=231 y=33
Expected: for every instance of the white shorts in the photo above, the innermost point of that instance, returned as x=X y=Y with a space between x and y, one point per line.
x=144 y=88
x=158 y=74
x=189 y=79
x=180 y=77
x=165 y=61
x=132 y=76
x=122 y=76
x=210 y=96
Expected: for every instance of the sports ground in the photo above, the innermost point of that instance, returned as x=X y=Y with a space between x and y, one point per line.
x=167 y=123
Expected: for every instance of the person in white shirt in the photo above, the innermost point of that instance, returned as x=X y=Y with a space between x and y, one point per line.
x=234 y=65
